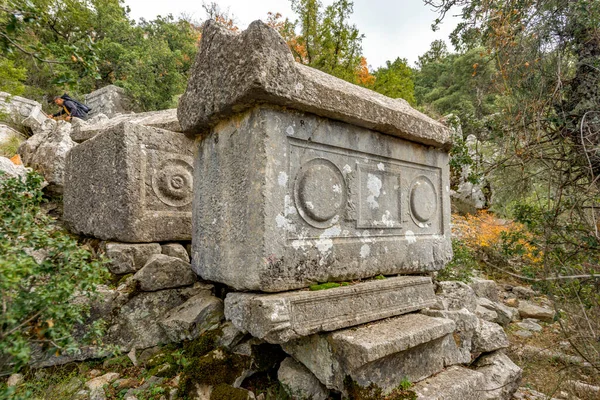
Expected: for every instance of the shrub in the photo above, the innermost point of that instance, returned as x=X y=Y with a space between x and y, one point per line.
x=42 y=270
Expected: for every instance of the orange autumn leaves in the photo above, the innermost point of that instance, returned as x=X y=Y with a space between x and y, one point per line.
x=489 y=235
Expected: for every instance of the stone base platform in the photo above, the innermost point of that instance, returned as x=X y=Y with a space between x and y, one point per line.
x=413 y=347
x=452 y=384
x=281 y=317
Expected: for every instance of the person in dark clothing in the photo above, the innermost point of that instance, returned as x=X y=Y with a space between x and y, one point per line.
x=69 y=108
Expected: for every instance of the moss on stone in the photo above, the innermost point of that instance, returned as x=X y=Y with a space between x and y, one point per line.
x=202 y=345
x=324 y=286
x=227 y=392
x=374 y=392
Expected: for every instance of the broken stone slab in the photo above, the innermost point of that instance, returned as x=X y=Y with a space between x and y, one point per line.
x=110 y=100
x=488 y=336
x=132 y=184
x=234 y=72
x=457 y=295
x=529 y=310
x=486 y=313
x=278 y=318
x=451 y=384
x=299 y=382
x=22 y=111
x=284 y=199
x=175 y=250
x=136 y=323
x=523 y=292
x=528 y=351
x=502 y=376
x=199 y=314
x=504 y=314
x=466 y=323
x=409 y=347
x=127 y=258
x=164 y=119
x=164 y=272
x=583 y=389
x=485 y=288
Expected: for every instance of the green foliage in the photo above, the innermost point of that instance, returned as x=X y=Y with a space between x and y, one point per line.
x=462 y=266
x=327 y=41
x=395 y=80
x=11 y=77
x=10 y=147
x=42 y=270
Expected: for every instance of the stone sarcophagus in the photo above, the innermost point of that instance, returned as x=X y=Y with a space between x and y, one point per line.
x=303 y=178
x=131 y=183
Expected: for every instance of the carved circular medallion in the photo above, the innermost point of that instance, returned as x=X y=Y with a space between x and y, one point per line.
x=172 y=182
x=423 y=199
x=320 y=192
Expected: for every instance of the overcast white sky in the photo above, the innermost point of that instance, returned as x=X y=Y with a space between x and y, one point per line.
x=393 y=28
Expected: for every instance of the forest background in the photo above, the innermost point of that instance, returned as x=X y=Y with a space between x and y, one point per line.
x=523 y=80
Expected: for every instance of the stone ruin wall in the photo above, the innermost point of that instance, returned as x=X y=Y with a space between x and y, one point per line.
x=275 y=177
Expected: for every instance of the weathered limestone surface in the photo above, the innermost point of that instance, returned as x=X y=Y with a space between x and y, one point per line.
x=46 y=151
x=175 y=250
x=278 y=318
x=197 y=315
x=452 y=384
x=128 y=258
x=22 y=110
x=502 y=376
x=488 y=336
x=457 y=295
x=466 y=323
x=85 y=130
x=164 y=272
x=412 y=346
x=7 y=134
x=286 y=199
x=485 y=288
x=299 y=382
x=110 y=100
x=234 y=72
x=132 y=183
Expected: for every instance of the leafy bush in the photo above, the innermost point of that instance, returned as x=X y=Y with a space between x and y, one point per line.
x=42 y=270
x=462 y=265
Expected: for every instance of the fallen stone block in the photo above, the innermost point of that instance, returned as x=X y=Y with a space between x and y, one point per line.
x=466 y=323
x=85 y=130
x=127 y=258
x=130 y=184
x=299 y=382
x=502 y=376
x=489 y=336
x=485 y=288
x=409 y=347
x=9 y=170
x=523 y=292
x=199 y=314
x=529 y=324
x=530 y=310
x=164 y=272
x=175 y=250
x=485 y=313
x=278 y=318
x=504 y=314
x=340 y=184
x=452 y=384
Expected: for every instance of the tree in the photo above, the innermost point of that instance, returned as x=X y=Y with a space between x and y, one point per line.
x=326 y=40
x=395 y=80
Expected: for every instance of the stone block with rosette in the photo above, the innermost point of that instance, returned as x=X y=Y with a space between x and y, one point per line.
x=132 y=183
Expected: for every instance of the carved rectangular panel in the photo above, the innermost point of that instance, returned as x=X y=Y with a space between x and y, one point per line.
x=360 y=194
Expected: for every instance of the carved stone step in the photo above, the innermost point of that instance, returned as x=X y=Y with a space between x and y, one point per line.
x=451 y=384
x=413 y=347
x=278 y=318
